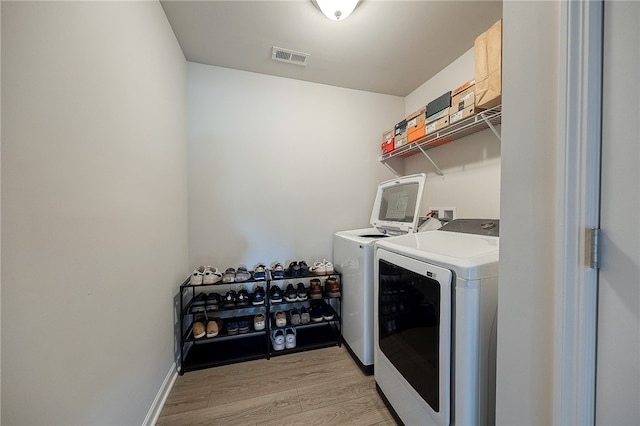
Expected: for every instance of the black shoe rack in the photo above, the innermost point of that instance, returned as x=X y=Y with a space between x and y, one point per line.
x=196 y=354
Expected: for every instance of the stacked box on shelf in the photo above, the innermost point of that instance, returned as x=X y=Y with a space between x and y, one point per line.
x=438 y=116
x=388 y=141
x=415 y=124
x=400 y=133
x=462 y=102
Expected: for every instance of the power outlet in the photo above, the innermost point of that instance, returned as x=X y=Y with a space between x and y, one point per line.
x=444 y=212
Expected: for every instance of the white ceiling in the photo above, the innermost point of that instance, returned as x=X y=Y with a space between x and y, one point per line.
x=389 y=47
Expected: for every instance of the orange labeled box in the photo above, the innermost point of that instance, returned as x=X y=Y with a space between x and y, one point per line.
x=415 y=125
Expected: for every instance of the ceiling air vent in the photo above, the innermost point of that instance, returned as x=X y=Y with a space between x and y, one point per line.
x=290 y=56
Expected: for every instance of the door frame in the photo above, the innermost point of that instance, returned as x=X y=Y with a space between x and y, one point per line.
x=578 y=190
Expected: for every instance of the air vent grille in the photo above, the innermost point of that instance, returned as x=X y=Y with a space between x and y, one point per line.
x=290 y=56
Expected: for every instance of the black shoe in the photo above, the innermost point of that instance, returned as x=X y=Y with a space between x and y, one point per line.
x=293 y=270
x=199 y=303
x=257 y=297
x=302 y=292
x=316 y=312
x=243 y=298
x=290 y=294
x=230 y=299
x=213 y=302
x=327 y=312
x=304 y=268
x=275 y=294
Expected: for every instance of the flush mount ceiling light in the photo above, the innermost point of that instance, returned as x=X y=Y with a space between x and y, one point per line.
x=336 y=10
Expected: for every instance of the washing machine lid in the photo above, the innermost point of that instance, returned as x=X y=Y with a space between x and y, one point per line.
x=470 y=256
x=397 y=204
x=361 y=236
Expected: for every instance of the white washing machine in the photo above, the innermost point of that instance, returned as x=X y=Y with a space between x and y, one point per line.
x=435 y=307
x=395 y=212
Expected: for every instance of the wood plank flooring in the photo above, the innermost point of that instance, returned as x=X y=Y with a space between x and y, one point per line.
x=312 y=388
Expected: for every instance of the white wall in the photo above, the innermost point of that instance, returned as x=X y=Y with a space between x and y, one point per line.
x=276 y=166
x=471 y=165
x=527 y=228
x=94 y=209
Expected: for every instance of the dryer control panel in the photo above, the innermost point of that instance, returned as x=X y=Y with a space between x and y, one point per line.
x=487 y=227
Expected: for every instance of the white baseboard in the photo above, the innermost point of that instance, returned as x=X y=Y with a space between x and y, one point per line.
x=161 y=397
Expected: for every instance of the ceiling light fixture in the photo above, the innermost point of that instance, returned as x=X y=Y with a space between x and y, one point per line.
x=336 y=10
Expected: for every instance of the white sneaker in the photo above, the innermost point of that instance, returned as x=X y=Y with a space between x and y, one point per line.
x=211 y=275
x=328 y=267
x=318 y=268
x=281 y=319
x=290 y=338
x=259 y=322
x=277 y=340
x=197 y=276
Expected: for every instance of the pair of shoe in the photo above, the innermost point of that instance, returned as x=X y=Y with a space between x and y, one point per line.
x=240 y=275
x=295 y=294
x=205 y=302
x=321 y=267
x=283 y=338
x=297 y=269
x=238 y=327
x=205 y=275
x=321 y=311
x=233 y=299
x=206 y=327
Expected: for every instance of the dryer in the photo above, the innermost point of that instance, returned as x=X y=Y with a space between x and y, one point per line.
x=435 y=307
x=395 y=212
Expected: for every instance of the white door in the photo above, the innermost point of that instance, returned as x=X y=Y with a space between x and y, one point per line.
x=618 y=350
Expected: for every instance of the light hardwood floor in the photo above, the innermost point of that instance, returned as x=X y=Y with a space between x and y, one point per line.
x=324 y=386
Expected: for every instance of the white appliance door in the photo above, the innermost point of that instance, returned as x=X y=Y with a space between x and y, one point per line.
x=412 y=313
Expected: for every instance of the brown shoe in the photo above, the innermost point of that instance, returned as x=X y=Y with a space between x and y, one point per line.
x=213 y=327
x=199 y=329
x=315 y=289
x=331 y=287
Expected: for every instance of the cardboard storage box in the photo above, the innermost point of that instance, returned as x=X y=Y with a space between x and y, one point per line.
x=462 y=100
x=438 y=115
x=400 y=128
x=459 y=115
x=416 y=133
x=416 y=118
x=387 y=135
x=415 y=124
x=435 y=106
x=400 y=140
x=388 y=146
x=462 y=87
x=488 y=67
x=438 y=124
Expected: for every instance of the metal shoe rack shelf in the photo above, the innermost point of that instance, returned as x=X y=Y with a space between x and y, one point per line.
x=196 y=354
